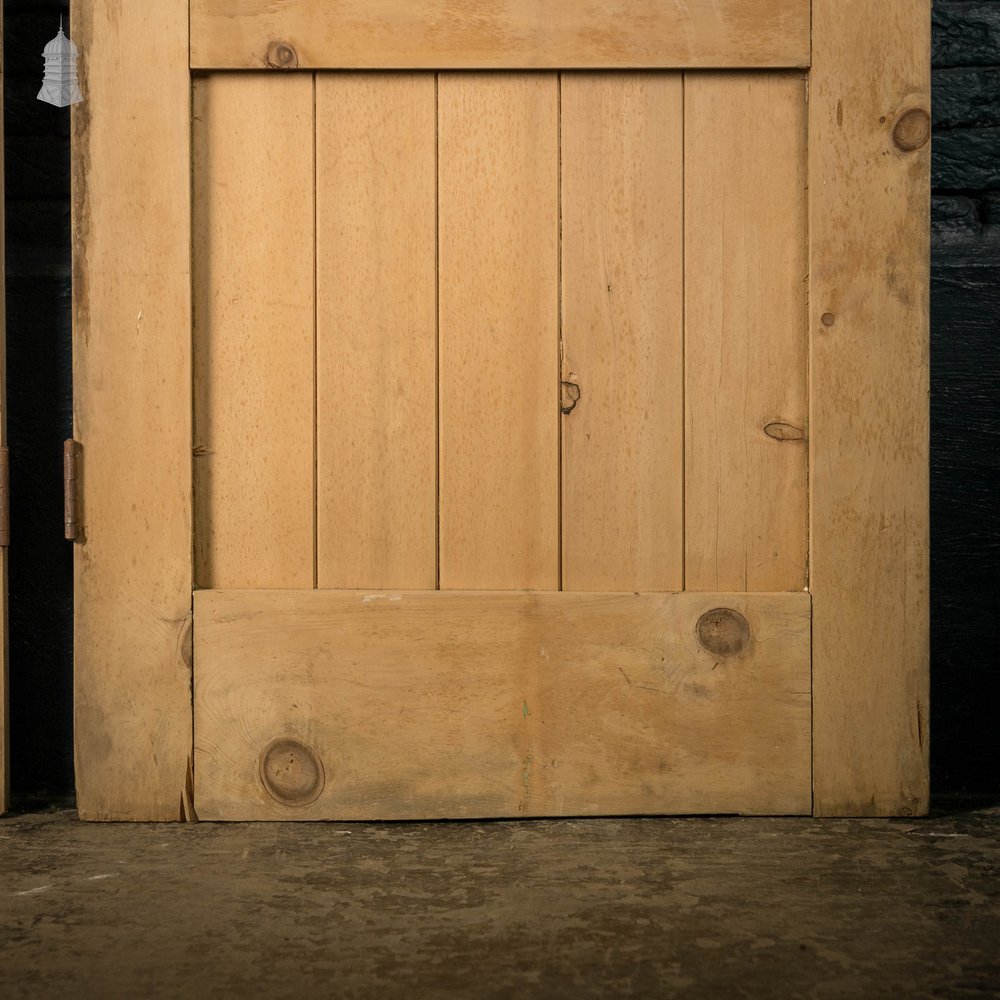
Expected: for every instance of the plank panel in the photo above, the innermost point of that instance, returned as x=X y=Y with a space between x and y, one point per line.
x=869 y=214
x=254 y=328
x=406 y=705
x=746 y=344
x=498 y=331
x=132 y=409
x=622 y=308
x=503 y=34
x=376 y=330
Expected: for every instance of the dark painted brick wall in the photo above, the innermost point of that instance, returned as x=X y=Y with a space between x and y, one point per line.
x=965 y=397
x=965 y=474
x=36 y=150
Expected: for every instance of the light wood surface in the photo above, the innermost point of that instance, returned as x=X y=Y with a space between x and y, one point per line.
x=498 y=331
x=324 y=704
x=376 y=330
x=622 y=321
x=504 y=34
x=414 y=703
x=745 y=331
x=254 y=329
x=132 y=405
x=869 y=217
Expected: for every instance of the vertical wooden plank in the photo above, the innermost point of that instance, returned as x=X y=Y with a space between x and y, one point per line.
x=622 y=309
x=499 y=301
x=376 y=330
x=869 y=185
x=745 y=339
x=254 y=326
x=132 y=403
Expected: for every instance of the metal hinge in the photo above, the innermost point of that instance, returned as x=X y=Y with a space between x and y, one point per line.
x=4 y=497
x=71 y=489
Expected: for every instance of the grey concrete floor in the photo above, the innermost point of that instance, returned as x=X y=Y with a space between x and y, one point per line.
x=699 y=908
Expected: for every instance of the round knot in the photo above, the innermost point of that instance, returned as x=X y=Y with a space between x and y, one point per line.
x=912 y=130
x=723 y=632
x=281 y=55
x=291 y=772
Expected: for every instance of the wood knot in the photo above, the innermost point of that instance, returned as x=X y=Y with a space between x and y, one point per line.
x=291 y=772
x=723 y=632
x=912 y=130
x=281 y=55
x=781 y=431
x=569 y=396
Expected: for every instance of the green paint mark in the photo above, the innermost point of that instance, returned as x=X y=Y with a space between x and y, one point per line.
x=525 y=711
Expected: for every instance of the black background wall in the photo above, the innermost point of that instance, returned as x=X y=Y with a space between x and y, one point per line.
x=36 y=149
x=965 y=446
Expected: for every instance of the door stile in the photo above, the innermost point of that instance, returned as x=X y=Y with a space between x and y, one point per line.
x=869 y=193
x=132 y=410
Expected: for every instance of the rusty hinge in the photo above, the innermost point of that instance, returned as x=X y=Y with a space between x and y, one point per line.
x=4 y=498
x=71 y=489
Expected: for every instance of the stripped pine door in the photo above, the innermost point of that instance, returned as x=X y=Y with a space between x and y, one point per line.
x=498 y=379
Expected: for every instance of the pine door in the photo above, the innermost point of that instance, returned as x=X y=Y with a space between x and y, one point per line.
x=485 y=384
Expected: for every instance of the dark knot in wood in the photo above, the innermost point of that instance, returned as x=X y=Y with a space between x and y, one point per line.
x=291 y=772
x=912 y=130
x=569 y=396
x=723 y=632
x=781 y=431
x=281 y=55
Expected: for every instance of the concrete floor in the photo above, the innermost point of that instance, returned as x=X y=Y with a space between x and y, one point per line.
x=699 y=908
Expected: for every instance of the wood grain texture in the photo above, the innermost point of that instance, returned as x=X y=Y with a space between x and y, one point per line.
x=503 y=34
x=869 y=217
x=376 y=330
x=132 y=405
x=745 y=332
x=254 y=328
x=498 y=331
x=622 y=309
x=428 y=704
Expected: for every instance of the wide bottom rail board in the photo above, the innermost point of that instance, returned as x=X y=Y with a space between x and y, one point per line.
x=442 y=704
